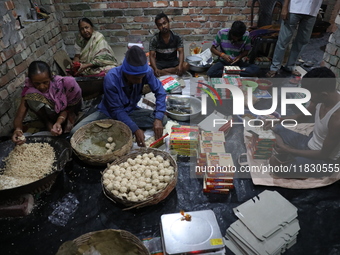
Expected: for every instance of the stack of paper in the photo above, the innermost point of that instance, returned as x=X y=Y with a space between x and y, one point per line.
x=267 y=224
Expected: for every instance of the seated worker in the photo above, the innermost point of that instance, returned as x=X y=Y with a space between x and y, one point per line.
x=322 y=146
x=92 y=51
x=55 y=100
x=163 y=50
x=234 y=44
x=123 y=87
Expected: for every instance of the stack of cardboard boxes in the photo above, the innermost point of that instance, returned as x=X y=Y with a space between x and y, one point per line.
x=267 y=225
x=217 y=164
x=261 y=143
x=184 y=139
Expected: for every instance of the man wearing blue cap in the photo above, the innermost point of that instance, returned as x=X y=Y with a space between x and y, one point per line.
x=123 y=87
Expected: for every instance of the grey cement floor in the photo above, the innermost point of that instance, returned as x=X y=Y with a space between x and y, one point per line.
x=314 y=51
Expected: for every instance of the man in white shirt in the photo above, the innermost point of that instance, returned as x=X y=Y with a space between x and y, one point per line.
x=317 y=154
x=295 y=14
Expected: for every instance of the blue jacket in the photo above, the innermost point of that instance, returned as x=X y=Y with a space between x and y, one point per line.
x=118 y=105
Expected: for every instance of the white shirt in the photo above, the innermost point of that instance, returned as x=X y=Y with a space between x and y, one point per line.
x=307 y=7
x=320 y=131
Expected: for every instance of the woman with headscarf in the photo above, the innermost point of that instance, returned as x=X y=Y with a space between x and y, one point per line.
x=93 y=55
x=56 y=100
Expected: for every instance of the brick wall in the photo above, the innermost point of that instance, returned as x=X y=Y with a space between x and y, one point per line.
x=127 y=21
x=332 y=53
x=18 y=48
x=120 y=22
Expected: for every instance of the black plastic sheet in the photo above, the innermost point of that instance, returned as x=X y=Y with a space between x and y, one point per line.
x=318 y=209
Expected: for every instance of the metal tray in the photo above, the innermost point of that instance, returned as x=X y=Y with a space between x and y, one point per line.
x=63 y=151
x=199 y=235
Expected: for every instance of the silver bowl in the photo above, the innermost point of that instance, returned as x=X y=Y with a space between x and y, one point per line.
x=182 y=104
x=193 y=60
x=198 y=69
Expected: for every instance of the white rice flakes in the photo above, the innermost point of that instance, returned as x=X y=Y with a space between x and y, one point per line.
x=27 y=163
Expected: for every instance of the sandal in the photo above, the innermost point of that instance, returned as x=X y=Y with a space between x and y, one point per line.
x=271 y=74
x=296 y=73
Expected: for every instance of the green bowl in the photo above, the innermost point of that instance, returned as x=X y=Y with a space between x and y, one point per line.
x=251 y=84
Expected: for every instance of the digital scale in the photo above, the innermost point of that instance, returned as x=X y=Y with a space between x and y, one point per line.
x=199 y=235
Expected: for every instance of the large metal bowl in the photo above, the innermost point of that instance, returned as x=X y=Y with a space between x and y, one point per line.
x=199 y=68
x=193 y=60
x=185 y=103
x=63 y=152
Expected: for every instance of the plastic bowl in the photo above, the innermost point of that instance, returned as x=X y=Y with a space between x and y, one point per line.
x=264 y=84
x=251 y=84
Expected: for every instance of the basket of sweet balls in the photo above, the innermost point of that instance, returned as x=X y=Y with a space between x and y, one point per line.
x=102 y=141
x=141 y=178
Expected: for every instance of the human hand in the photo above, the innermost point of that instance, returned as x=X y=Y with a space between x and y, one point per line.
x=139 y=134
x=227 y=58
x=236 y=60
x=158 y=128
x=56 y=129
x=82 y=68
x=18 y=137
x=284 y=14
x=157 y=72
x=179 y=70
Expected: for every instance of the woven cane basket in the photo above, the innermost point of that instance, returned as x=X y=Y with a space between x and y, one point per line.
x=89 y=141
x=151 y=200
x=104 y=242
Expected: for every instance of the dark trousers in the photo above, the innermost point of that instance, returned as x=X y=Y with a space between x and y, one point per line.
x=216 y=70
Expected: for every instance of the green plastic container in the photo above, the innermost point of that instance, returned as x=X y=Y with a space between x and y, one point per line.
x=251 y=84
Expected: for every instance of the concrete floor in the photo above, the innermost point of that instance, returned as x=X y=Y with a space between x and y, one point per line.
x=121 y=50
x=313 y=52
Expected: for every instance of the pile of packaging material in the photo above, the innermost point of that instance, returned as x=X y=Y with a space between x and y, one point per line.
x=267 y=225
x=184 y=139
x=170 y=83
x=217 y=165
x=231 y=70
x=219 y=176
x=218 y=86
x=261 y=143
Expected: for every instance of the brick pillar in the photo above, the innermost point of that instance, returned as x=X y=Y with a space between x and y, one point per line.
x=332 y=53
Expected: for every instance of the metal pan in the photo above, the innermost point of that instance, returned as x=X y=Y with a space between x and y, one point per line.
x=63 y=152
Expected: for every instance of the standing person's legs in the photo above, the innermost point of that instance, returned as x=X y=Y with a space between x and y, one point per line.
x=216 y=70
x=285 y=35
x=302 y=38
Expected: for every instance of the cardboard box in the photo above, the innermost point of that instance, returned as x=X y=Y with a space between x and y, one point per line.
x=212 y=146
x=220 y=159
x=170 y=83
x=212 y=136
x=184 y=128
x=216 y=191
x=187 y=137
x=219 y=185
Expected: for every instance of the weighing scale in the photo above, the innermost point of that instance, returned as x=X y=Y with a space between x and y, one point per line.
x=198 y=234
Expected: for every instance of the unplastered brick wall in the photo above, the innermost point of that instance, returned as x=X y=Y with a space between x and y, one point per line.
x=19 y=46
x=332 y=53
x=130 y=21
